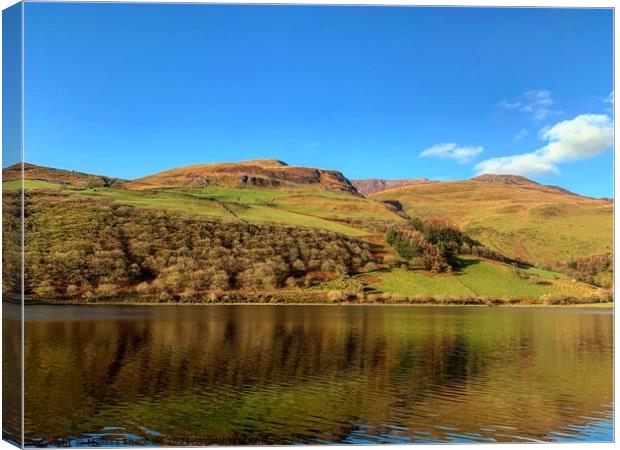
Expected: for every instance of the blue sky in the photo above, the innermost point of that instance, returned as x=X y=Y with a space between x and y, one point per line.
x=11 y=85
x=129 y=90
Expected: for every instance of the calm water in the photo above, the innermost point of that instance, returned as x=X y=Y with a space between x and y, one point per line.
x=317 y=374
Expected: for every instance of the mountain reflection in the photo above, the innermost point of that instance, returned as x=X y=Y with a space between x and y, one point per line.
x=286 y=374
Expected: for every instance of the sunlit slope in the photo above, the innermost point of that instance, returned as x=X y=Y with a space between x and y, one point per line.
x=296 y=207
x=480 y=278
x=44 y=174
x=255 y=191
x=522 y=219
x=334 y=211
x=258 y=173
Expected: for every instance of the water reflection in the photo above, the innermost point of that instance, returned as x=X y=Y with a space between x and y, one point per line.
x=11 y=373
x=287 y=374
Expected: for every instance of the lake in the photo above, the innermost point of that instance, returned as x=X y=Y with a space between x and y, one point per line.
x=236 y=374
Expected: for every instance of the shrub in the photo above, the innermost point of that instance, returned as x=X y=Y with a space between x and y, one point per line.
x=336 y=296
x=110 y=249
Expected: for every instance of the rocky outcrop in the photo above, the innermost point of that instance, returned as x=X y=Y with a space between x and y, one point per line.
x=373 y=185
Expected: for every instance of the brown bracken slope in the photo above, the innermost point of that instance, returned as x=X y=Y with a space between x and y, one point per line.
x=60 y=176
x=258 y=173
x=516 y=216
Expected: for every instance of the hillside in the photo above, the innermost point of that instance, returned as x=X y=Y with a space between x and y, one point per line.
x=83 y=248
x=369 y=186
x=522 y=181
x=260 y=173
x=479 y=278
x=60 y=176
x=290 y=204
x=515 y=216
x=292 y=242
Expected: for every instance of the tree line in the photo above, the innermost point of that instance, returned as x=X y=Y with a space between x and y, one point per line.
x=80 y=247
x=433 y=244
x=593 y=269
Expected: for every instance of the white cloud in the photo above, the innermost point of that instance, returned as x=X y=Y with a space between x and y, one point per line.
x=609 y=98
x=582 y=137
x=537 y=103
x=452 y=151
x=521 y=134
x=510 y=105
x=527 y=164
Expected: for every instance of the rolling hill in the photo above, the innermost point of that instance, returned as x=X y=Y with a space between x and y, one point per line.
x=259 y=173
x=515 y=216
x=249 y=191
x=259 y=191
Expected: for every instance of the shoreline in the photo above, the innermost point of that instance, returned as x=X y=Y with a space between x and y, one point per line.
x=601 y=305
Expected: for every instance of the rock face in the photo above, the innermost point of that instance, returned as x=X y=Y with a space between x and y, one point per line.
x=260 y=173
x=373 y=185
x=68 y=177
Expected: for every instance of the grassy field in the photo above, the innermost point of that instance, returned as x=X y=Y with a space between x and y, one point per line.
x=545 y=273
x=298 y=207
x=253 y=206
x=29 y=184
x=477 y=278
x=529 y=222
x=243 y=196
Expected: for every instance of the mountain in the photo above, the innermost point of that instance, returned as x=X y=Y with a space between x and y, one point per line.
x=259 y=173
x=515 y=216
x=59 y=176
x=369 y=186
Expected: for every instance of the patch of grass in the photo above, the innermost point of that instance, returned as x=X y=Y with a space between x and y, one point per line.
x=337 y=206
x=545 y=273
x=256 y=214
x=476 y=278
x=488 y=279
x=156 y=199
x=409 y=282
x=14 y=185
x=243 y=196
